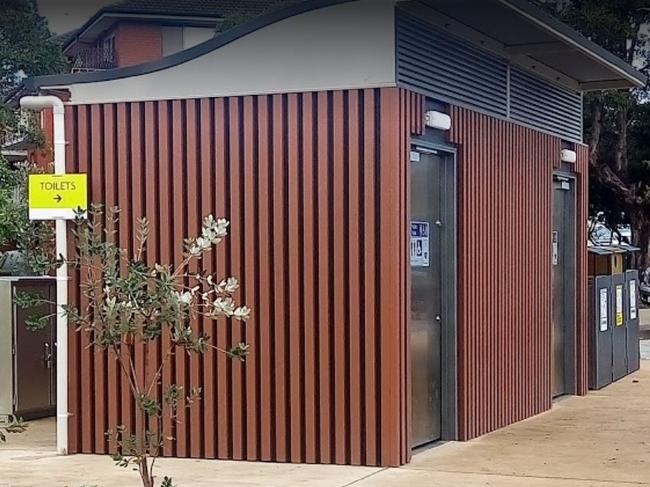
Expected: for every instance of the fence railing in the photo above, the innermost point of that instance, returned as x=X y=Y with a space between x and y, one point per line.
x=95 y=59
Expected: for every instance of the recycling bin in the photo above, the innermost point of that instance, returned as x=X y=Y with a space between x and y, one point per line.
x=632 y=325
x=600 y=332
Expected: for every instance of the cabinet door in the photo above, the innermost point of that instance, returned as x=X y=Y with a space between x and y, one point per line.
x=34 y=356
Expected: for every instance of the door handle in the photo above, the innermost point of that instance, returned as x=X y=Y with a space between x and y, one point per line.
x=438 y=318
x=47 y=355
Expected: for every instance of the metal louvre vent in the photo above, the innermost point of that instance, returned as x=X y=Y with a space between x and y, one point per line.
x=541 y=104
x=449 y=70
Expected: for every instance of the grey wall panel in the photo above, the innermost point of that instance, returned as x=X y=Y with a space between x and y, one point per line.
x=448 y=69
x=541 y=104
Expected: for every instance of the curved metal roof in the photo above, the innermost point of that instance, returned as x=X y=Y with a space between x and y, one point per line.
x=181 y=57
x=517 y=24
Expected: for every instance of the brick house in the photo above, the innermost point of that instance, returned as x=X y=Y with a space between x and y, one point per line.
x=134 y=32
x=138 y=31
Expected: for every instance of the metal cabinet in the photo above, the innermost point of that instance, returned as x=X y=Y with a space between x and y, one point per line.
x=27 y=358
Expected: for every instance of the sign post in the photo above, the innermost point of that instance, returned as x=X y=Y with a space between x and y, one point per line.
x=57 y=196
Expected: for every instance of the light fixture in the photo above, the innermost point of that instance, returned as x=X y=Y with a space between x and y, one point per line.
x=569 y=156
x=437 y=120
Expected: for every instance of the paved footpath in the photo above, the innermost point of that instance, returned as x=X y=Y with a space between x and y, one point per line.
x=602 y=440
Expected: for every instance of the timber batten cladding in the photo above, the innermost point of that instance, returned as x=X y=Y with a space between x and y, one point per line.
x=505 y=175
x=276 y=171
x=305 y=148
x=317 y=203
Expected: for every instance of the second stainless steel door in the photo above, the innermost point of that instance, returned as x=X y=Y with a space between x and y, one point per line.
x=563 y=262
x=426 y=303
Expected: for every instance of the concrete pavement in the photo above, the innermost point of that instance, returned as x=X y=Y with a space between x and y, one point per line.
x=601 y=440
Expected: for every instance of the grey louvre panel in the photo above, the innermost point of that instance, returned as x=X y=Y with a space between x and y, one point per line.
x=447 y=69
x=546 y=106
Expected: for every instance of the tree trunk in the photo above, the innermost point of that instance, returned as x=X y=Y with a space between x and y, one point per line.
x=620 y=155
x=145 y=473
x=640 y=237
x=595 y=131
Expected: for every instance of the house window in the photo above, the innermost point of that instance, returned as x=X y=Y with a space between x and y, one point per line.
x=176 y=39
x=108 y=49
x=172 y=40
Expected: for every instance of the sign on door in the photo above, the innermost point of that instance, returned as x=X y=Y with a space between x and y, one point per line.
x=419 y=244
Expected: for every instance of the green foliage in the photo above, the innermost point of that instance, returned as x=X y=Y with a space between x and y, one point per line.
x=613 y=24
x=26 y=45
x=617 y=122
x=35 y=303
x=131 y=304
x=26 y=49
x=11 y=425
x=33 y=239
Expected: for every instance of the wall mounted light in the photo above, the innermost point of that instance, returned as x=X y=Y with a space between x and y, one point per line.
x=569 y=156
x=437 y=120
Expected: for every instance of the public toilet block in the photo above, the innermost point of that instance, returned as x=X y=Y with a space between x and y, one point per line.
x=406 y=183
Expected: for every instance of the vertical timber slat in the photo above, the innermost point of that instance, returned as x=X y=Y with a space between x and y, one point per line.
x=315 y=187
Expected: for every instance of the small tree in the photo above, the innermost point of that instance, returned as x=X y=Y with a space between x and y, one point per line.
x=132 y=304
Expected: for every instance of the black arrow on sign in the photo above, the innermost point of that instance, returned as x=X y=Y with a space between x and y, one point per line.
x=58 y=198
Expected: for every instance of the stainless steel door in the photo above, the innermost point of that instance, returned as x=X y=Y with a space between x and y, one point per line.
x=563 y=262
x=425 y=298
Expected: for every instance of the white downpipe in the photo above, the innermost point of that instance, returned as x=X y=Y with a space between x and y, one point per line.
x=38 y=103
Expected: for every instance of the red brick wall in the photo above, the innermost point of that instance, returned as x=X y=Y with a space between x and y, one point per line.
x=137 y=43
x=44 y=156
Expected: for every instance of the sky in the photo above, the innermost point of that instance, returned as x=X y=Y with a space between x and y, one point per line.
x=66 y=15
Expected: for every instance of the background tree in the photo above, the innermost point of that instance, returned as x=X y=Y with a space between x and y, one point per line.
x=26 y=49
x=33 y=240
x=617 y=122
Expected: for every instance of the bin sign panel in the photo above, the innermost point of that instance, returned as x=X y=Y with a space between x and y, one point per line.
x=619 y=305
x=420 y=244
x=633 y=310
x=603 y=310
x=57 y=196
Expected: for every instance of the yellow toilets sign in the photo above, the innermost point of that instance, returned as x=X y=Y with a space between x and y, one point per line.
x=57 y=196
